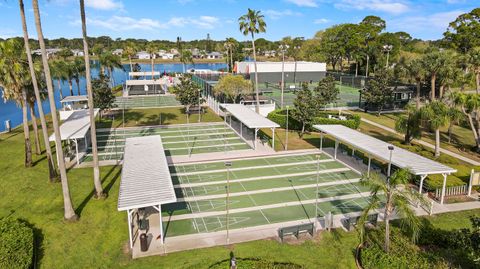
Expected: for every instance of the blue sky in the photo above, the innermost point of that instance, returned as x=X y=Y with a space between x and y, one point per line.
x=193 y=19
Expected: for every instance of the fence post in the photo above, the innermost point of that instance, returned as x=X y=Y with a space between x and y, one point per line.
x=470 y=183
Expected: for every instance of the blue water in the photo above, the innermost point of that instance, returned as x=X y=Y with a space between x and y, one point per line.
x=10 y=111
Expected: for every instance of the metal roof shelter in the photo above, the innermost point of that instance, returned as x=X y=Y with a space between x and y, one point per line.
x=416 y=164
x=250 y=119
x=145 y=180
x=143 y=74
x=75 y=128
x=143 y=86
x=75 y=98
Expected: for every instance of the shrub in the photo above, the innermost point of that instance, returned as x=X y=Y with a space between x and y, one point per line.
x=252 y=263
x=16 y=244
x=280 y=116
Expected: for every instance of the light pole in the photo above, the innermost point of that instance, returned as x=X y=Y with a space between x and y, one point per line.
x=286 y=132
x=228 y=165
x=387 y=48
x=390 y=148
x=283 y=49
x=316 y=192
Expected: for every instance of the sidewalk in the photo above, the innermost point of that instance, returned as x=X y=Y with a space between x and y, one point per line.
x=423 y=143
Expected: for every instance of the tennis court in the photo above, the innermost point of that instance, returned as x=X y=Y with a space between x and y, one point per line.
x=177 y=140
x=263 y=190
x=146 y=101
x=347 y=97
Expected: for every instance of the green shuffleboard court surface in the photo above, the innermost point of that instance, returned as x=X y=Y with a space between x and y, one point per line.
x=262 y=190
x=146 y=101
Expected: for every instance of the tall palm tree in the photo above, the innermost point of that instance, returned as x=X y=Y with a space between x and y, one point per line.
x=394 y=197
x=186 y=57
x=474 y=62
x=37 y=98
x=409 y=124
x=78 y=71
x=436 y=114
x=469 y=105
x=416 y=71
x=14 y=79
x=69 y=213
x=433 y=62
x=250 y=24
x=93 y=130
x=130 y=50
x=58 y=73
x=69 y=71
x=109 y=62
x=152 y=50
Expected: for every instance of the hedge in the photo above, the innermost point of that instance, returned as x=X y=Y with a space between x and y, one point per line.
x=253 y=263
x=16 y=244
x=280 y=116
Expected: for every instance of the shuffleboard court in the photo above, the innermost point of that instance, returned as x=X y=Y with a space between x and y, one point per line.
x=146 y=101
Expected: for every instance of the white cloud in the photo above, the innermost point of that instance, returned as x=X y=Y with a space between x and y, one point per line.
x=123 y=23
x=204 y=22
x=321 y=21
x=277 y=14
x=388 y=6
x=104 y=4
x=432 y=23
x=304 y=3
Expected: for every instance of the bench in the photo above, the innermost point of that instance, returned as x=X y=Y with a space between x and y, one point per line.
x=351 y=222
x=195 y=110
x=296 y=230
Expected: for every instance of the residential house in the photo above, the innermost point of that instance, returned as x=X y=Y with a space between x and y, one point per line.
x=118 y=52
x=215 y=55
x=77 y=53
x=143 y=55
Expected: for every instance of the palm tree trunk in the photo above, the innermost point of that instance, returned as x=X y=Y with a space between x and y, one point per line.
x=432 y=91
x=130 y=61
x=93 y=129
x=437 y=143
x=477 y=80
x=38 y=150
x=51 y=165
x=257 y=105
x=356 y=68
x=231 y=59
x=59 y=90
x=26 y=131
x=440 y=94
x=70 y=85
x=77 y=81
x=366 y=70
x=418 y=93
x=387 y=230
x=69 y=213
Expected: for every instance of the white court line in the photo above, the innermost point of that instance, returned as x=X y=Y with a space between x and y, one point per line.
x=255 y=204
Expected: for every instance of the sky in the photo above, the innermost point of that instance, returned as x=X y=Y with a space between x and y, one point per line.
x=194 y=19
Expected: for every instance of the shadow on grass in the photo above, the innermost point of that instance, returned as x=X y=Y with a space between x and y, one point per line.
x=106 y=189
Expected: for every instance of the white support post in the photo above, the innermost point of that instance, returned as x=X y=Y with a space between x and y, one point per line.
x=76 y=151
x=321 y=142
x=129 y=217
x=369 y=164
x=336 y=147
x=273 y=138
x=161 y=223
x=470 y=183
x=353 y=152
x=422 y=178
x=255 y=139
x=443 y=188
x=241 y=129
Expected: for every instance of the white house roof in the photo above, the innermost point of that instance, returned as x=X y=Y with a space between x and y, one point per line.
x=146 y=179
x=140 y=82
x=76 y=126
x=402 y=158
x=74 y=98
x=249 y=117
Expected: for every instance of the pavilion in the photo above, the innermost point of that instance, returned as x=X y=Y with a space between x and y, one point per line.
x=71 y=104
x=250 y=119
x=393 y=155
x=145 y=181
x=145 y=83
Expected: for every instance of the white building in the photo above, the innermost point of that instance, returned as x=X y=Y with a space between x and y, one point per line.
x=167 y=56
x=117 y=52
x=270 y=53
x=143 y=55
x=50 y=52
x=214 y=55
x=77 y=52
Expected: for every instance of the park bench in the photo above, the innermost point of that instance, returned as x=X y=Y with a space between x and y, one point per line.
x=351 y=222
x=195 y=110
x=296 y=230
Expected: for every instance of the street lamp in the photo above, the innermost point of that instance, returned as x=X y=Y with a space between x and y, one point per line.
x=390 y=148
x=228 y=165
x=387 y=48
x=286 y=131
x=283 y=48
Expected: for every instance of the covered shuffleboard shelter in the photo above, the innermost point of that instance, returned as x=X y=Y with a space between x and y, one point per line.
x=145 y=184
x=380 y=150
x=250 y=119
x=145 y=83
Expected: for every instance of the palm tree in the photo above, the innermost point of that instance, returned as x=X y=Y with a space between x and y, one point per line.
x=96 y=170
x=416 y=71
x=58 y=73
x=78 y=71
x=109 y=62
x=448 y=73
x=69 y=71
x=152 y=50
x=433 y=62
x=250 y=24
x=409 y=124
x=394 y=197
x=186 y=57
x=69 y=213
x=130 y=50
x=474 y=62
x=14 y=79
x=436 y=114
x=469 y=105
x=38 y=98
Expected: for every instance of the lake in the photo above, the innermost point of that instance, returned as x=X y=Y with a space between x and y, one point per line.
x=10 y=111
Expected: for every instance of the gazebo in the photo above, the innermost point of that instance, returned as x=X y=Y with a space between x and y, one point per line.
x=378 y=149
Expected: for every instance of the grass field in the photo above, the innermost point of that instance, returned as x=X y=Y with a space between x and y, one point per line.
x=347 y=97
x=266 y=190
x=99 y=238
x=177 y=140
x=146 y=101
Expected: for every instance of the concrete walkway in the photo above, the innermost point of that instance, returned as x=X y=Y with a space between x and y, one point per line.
x=423 y=143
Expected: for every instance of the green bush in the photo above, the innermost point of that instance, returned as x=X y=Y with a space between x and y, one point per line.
x=16 y=244
x=403 y=253
x=280 y=116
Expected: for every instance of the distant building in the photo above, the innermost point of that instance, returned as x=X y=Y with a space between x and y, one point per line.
x=50 y=52
x=118 y=52
x=214 y=55
x=77 y=52
x=174 y=51
x=270 y=53
x=272 y=71
x=143 y=55
x=167 y=56
x=401 y=95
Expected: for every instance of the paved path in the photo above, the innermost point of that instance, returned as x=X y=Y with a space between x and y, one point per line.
x=423 y=143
